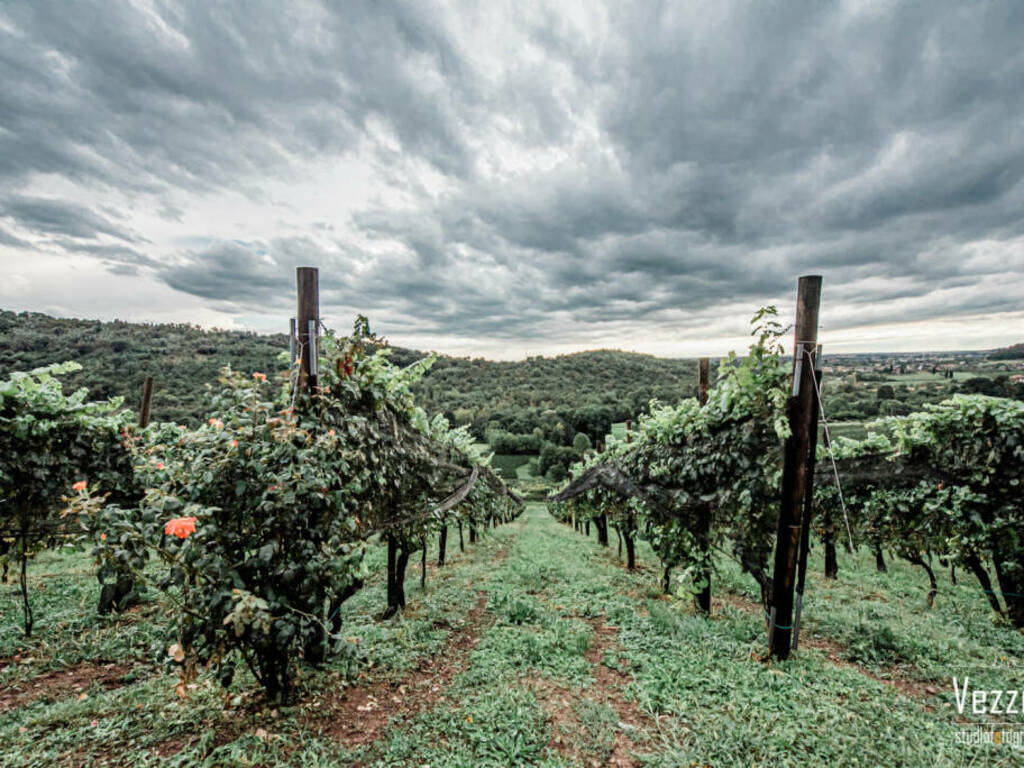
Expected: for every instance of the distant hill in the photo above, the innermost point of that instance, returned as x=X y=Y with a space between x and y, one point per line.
x=560 y=395
x=117 y=356
x=1012 y=352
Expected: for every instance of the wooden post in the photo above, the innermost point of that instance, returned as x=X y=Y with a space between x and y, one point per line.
x=308 y=284
x=702 y=600
x=703 y=380
x=800 y=406
x=805 y=531
x=147 y=399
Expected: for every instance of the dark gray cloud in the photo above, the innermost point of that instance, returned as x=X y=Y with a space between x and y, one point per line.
x=49 y=216
x=559 y=168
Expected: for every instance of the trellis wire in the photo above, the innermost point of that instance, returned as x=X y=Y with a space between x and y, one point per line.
x=831 y=453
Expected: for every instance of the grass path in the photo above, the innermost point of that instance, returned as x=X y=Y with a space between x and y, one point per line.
x=533 y=648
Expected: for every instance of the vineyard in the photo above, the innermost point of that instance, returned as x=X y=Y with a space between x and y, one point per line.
x=323 y=573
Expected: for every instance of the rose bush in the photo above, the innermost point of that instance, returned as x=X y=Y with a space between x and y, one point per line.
x=260 y=516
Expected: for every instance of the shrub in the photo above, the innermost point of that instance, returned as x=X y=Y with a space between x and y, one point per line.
x=48 y=443
x=260 y=515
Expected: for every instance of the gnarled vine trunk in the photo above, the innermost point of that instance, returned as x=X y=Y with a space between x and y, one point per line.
x=880 y=565
x=442 y=544
x=398 y=559
x=630 y=550
x=1011 y=585
x=315 y=651
x=934 y=585
x=601 y=521
x=702 y=600
x=423 y=564
x=119 y=596
x=829 y=539
x=974 y=565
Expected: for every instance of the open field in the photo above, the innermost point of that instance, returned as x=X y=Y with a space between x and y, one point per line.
x=535 y=647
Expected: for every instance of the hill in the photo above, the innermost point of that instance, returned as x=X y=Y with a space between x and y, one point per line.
x=560 y=395
x=1012 y=352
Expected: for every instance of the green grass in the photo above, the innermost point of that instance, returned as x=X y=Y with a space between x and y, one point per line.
x=852 y=429
x=508 y=464
x=527 y=691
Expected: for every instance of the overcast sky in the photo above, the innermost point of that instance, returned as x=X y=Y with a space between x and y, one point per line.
x=520 y=178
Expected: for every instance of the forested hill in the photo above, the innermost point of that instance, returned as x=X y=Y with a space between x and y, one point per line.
x=561 y=395
x=1012 y=352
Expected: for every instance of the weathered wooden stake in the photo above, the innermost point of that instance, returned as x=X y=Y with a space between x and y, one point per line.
x=801 y=406
x=703 y=380
x=307 y=281
x=805 y=531
x=147 y=399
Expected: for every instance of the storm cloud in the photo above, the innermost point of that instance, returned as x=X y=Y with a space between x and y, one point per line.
x=505 y=176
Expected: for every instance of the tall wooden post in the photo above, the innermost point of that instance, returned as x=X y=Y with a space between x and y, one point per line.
x=805 y=531
x=147 y=399
x=702 y=600
x=308 y=317
x=801 y=406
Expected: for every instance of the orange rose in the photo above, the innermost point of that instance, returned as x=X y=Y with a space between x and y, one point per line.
x=259 y=376
x=180 y=527
x=81 y=485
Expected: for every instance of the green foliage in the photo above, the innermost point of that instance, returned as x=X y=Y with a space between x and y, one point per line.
x=501 y=441
x=581 y=443
x=116 y=357
x=281 y=497
x=560 y=396
x=947 y=480
x=48 y=442
x=704 y=477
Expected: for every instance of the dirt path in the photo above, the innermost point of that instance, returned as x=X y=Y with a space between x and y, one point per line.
x=63 y=684
x=356 y=716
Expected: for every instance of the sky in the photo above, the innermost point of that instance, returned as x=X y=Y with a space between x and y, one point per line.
x=508 y=179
